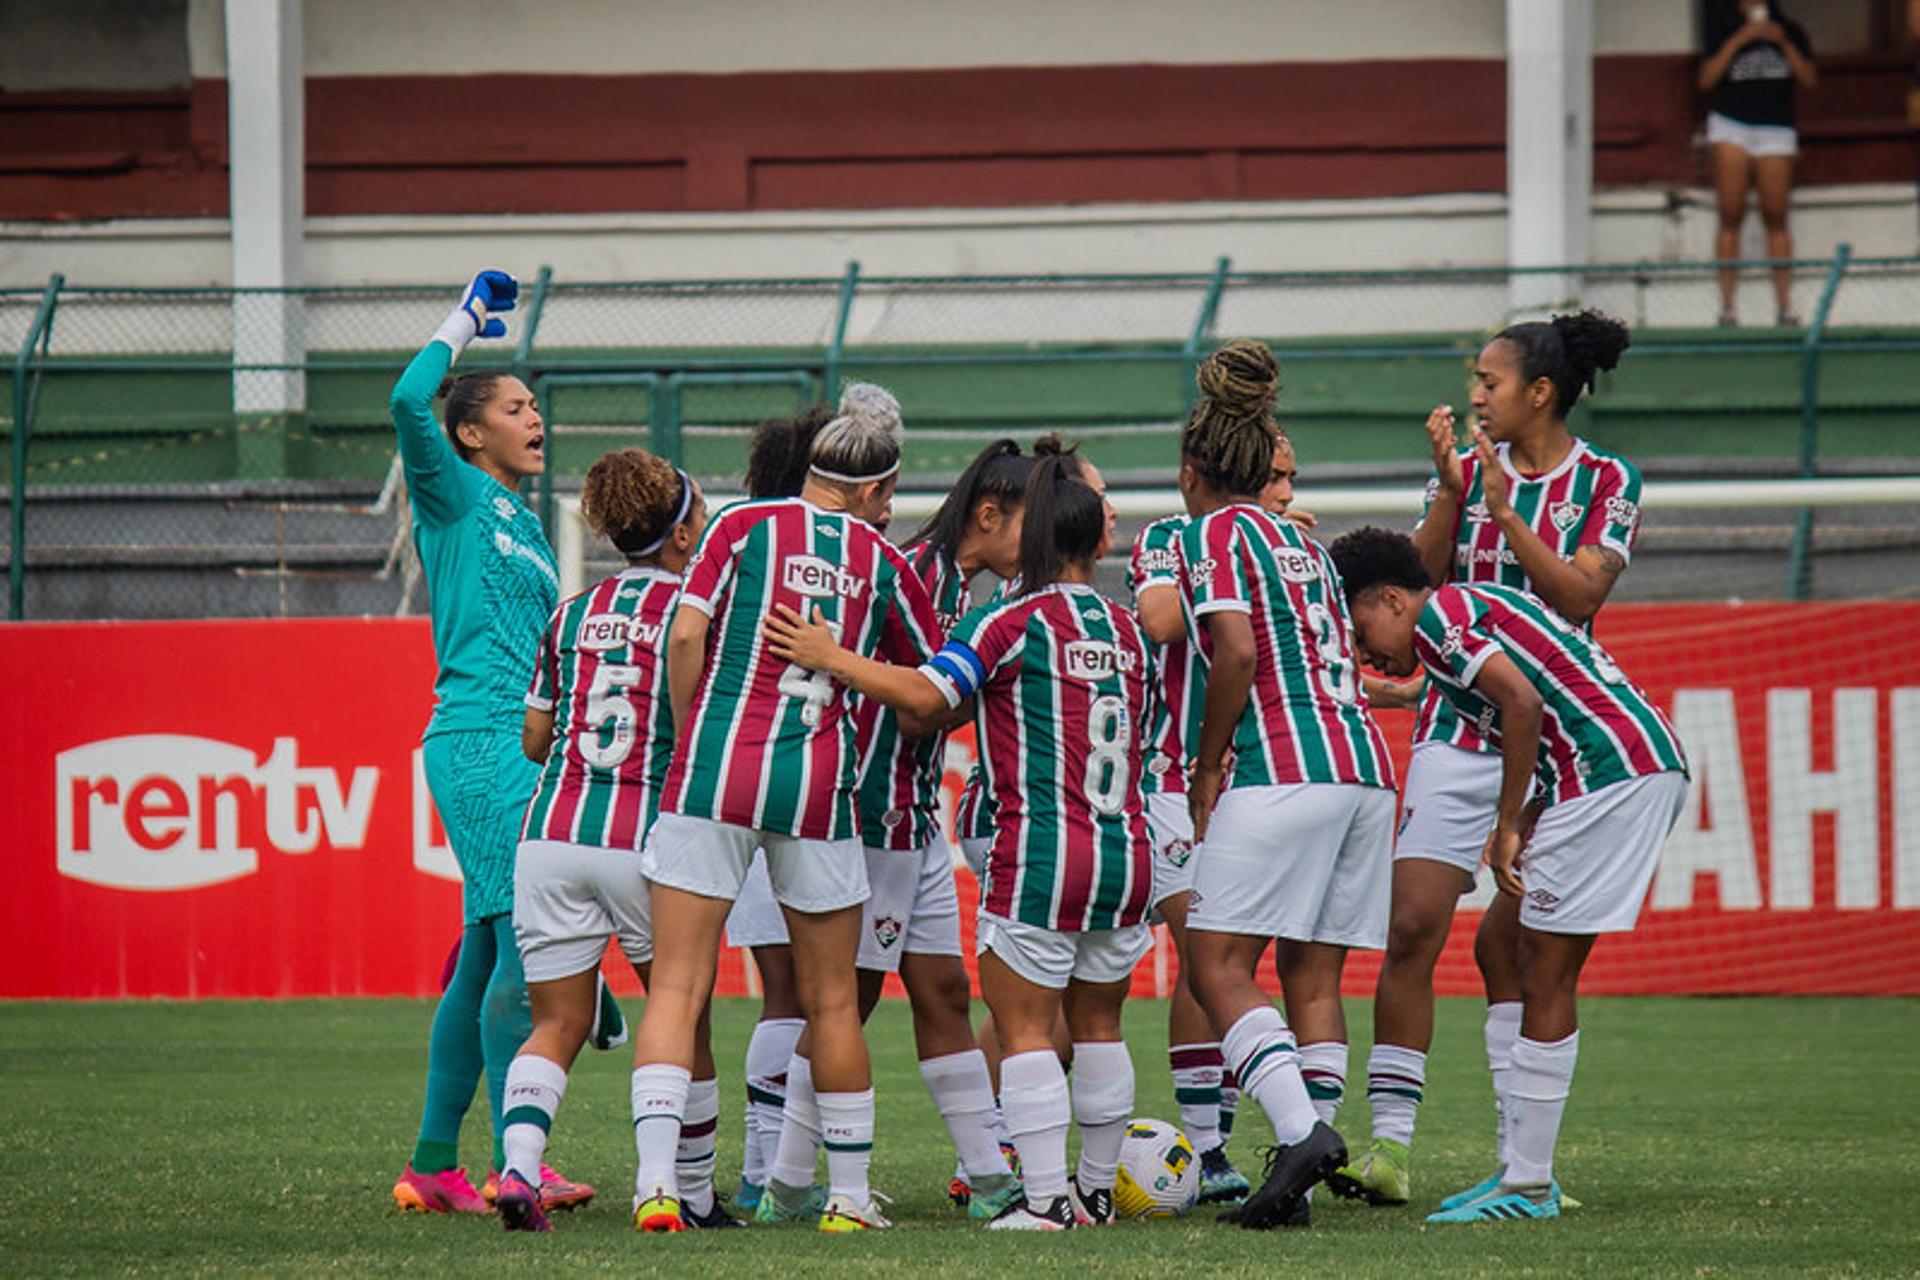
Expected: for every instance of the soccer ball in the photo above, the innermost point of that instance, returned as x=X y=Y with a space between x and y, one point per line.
x=1159 y=1173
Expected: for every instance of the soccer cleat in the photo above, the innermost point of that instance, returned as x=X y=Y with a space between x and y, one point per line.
x=445 y=1192
x=1090 y=1208
x=1220 y=1182
x=990 y=1201
x=780 y=1203
x=519 y=1204
x=747 y=1198
x=1291 y=1172
x=1503 y=1204
x=1382 y=1175
x=960 y=1188
x=1478 y=1191
x=714 y=1219
x=842 y=1215
x=556 y=1192
x=658 y=1212
x=1022 y=1216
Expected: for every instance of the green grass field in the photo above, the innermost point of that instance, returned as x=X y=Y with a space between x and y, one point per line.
x=1706 y=1137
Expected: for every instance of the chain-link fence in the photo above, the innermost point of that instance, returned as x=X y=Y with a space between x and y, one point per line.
x=192 y=452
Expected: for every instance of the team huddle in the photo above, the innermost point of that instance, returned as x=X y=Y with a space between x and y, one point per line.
x=742 y=734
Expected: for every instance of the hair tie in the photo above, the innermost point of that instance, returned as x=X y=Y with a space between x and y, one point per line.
x=686 y=504
x=825 y=474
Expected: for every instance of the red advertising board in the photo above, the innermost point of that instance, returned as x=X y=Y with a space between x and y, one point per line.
x=235 y=809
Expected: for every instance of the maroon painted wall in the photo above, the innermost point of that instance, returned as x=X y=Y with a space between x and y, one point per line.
x=885 y=139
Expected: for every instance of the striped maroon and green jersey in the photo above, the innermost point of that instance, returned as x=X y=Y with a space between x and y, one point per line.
x=1596 y=726
x=1592 y=499
x=602 y=671
x=900 y=776
x=1179 y=679
x=770 y=745
x=1061 y=676
x=1306 y=719
x=973 y=813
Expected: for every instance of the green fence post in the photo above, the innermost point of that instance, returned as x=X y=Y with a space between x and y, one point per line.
x=39 y=333
x=849 y=284
x=666 y=418
x=1202 y=326
x=1800 y=557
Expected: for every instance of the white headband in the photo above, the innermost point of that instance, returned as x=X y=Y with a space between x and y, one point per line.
x=686 y=505
x=825 y=474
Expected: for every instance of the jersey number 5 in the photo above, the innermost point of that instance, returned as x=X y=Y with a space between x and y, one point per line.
x=609 y=707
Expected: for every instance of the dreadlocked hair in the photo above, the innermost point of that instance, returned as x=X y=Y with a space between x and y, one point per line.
x=465 y=396
x=1065 y=520
x=1230 y=435
x=631 y=498
x=997 y=474
x=777 y=458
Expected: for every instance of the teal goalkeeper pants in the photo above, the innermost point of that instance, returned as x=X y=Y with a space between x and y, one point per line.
x=481 y=784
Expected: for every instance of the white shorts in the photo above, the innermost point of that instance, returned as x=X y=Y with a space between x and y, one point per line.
x=914 y=907
x=699 y=855
x=1754 y=139
x=756 y=919
x=1051 y=959
x=1448 y=804
x=1587 y=868
x=568 y=899
x=1170 y=827
x=1309 y=861
x=974 y=851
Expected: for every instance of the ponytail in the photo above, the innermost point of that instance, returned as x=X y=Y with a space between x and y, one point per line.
x=465 y=397
x=1065 y=522
x=997 y=474
x=1569 y=351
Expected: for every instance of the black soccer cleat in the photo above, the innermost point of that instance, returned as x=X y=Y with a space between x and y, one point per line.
x=1291 y=1173
x=714 y=1219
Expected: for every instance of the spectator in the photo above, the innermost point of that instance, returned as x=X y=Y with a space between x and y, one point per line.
x=1755 y=58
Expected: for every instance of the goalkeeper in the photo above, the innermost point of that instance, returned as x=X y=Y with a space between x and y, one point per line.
x=491 y=585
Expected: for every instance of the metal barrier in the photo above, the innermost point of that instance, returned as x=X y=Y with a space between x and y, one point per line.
x=117 y=393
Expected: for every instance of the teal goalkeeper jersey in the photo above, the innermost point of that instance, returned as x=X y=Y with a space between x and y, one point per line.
x=492 y=582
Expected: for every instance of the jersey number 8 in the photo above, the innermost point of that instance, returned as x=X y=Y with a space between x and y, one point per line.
x=1110 y=732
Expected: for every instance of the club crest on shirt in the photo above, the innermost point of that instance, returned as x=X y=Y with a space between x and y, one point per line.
x=887 y=931
x=1095 y=659
x=1563 y=515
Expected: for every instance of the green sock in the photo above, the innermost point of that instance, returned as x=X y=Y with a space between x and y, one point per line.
x=454 y=1060
x=506 y=1020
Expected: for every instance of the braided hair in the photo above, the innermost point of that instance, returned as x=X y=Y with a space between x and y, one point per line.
x=1230 y=435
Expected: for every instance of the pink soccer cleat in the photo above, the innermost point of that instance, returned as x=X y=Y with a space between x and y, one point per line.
x=445 y=1192
x=556 y=1192
x=519 y=1205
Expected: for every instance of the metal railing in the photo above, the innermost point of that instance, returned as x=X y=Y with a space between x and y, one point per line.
x=133 y=387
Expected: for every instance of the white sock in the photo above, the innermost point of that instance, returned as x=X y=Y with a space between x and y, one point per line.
x=799 y=1141
x=1260 y=1050
x=1396 y=1084
x=1323 y=1066
x=1197 y=1069
x=1033 y=1098
x=693 y=1160
x=1102 y=1105
x=963 y=1093
x=1503 y=1028
x=846 y=1131
x=1542 y=1075
x=753 y=1159
x=659 y=1100
x=769 y=1050
x=535 y=1087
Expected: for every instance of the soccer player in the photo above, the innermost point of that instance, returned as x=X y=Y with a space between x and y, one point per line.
x=777 y=463
x=1529 y=505
x=1061 y=677
x=765 y=757
x=1297 y=846
x=911 y=923
x=600 y=724
x=491 y=584
x=1607 y=778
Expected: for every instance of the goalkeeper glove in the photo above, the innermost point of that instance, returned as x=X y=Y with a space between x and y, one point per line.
x=489 y=292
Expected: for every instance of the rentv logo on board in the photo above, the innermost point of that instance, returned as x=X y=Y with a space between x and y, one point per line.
x=164 y=811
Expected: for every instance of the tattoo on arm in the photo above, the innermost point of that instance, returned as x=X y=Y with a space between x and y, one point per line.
x=1611 y=561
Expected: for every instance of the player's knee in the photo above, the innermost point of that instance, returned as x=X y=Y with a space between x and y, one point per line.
x=1414 y=936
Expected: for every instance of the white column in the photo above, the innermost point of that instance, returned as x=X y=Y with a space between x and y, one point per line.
x=1549 y=145
x=266 y=177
